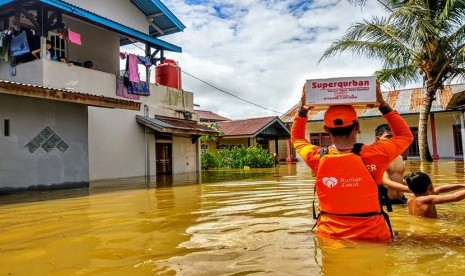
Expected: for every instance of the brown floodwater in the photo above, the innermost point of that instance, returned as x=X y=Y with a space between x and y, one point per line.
x=255 y=222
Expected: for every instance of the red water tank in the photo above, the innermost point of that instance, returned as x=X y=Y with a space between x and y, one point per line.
x=168 y=74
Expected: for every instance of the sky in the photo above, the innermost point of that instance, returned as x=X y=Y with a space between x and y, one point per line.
x=262 y=50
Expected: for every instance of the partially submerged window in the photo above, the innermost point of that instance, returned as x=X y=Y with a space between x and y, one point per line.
x=6 y=127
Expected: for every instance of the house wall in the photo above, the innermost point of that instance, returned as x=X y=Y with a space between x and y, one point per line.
x=169 y=102
x=445 y=134
x=117 y=145
x=281 y=150
x=20 y=168
x=237 y=141
x=121 y=11
x=185 y=155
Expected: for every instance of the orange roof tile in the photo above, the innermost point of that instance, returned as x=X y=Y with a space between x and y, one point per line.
x=248 y=127
x=208 y=116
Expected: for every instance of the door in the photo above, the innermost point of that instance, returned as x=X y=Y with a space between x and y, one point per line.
x=413 y=149
x=163 y=158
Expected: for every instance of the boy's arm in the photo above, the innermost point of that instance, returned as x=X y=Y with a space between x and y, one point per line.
x=439 y=199
x=389 y=183
x=448 y=188
x=35 y=52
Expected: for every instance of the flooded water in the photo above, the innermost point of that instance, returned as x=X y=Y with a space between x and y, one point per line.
x=255 y=222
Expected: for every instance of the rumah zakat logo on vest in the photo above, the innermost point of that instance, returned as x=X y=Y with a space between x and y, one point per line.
x=330 y=181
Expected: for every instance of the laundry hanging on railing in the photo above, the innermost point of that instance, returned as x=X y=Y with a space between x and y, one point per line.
x=140 y=88
x=19 y=45
x=146 y=61
x=133 y=69
x=122 y=90
x=130 y=77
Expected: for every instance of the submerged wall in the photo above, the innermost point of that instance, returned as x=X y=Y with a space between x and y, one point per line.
x=44 y=144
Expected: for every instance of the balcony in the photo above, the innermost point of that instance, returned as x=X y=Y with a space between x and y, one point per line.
x=59 y=75
x=164 y=101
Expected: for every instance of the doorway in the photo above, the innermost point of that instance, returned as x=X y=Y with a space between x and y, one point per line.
x=163 y=158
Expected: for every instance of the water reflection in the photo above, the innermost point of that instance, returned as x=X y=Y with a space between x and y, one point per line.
x=225 y=222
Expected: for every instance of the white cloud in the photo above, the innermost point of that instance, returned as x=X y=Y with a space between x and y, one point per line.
x=262 y=51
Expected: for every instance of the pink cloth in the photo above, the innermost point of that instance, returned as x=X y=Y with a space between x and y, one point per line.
x=122 y=90
x=74 y=37
x=133 y=68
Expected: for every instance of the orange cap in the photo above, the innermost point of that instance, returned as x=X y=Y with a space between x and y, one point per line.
x=340 y=116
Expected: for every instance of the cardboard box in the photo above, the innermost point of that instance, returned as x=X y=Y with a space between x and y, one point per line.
x=360 y=91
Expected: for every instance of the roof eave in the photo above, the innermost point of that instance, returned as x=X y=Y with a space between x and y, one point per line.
x=173 y=130
x=35 y=91
x=169 y=14
x=114 y=26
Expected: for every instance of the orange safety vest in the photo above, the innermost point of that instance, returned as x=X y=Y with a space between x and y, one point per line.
x=348 y=200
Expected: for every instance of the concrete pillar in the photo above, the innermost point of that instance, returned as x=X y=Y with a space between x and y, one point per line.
x=433 y=137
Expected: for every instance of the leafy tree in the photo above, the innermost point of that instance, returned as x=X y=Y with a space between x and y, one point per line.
x=204 y=139
x=421 y=40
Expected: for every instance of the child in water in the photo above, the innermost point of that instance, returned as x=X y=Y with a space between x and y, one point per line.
x=422 y=203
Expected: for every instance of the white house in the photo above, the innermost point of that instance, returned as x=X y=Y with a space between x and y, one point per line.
x=65 y=125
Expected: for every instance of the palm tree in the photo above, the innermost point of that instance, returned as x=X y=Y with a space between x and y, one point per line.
x=421 y=40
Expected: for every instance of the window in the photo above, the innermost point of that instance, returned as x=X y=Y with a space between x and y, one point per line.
x=58 y=47
x=6 y=127
x=222 y=146
x=458 y=148
x=320 y=139
x=204 y=148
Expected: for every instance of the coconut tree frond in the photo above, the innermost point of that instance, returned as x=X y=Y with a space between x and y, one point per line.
x=458 y=35
x=388 y=4
x=361 y=48
x=458 y=74
x=373 y=38
x=398 y=77
x=451 y=10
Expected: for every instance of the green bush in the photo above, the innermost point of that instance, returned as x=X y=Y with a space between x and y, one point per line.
x=257 y=157
x=238 y=157
x=208 y=160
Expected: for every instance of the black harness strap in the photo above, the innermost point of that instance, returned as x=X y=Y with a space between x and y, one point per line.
x=369 y=214
x=357 y=148
x=384 y=198
x=323 y=151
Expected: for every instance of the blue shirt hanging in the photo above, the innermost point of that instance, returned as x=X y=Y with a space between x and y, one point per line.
x=19 y=45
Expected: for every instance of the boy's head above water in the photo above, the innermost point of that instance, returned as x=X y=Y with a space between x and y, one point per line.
x=418 y=182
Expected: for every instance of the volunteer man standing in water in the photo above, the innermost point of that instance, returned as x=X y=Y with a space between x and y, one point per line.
x=347 y=173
